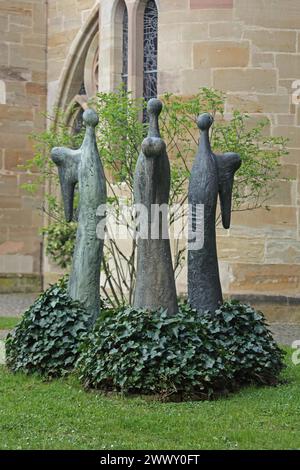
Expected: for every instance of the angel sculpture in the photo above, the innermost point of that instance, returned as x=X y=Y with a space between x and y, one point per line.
x=83 y=166
x=155 y=283
x=211 y=175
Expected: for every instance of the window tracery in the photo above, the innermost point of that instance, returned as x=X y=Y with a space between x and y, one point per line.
x=125 y=49
x=150 y=50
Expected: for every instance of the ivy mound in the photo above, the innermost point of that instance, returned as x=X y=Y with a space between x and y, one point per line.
x=181 y=357
x=47 y=339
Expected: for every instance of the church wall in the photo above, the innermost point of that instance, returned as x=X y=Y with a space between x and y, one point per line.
x=23 y=88
x=250 y=50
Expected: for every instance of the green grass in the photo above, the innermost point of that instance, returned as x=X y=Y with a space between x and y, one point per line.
x=7 y=323
x=59 y=415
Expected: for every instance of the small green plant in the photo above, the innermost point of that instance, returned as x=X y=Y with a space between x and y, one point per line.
x=47 y=339
x=61 y=238
x=186 y=355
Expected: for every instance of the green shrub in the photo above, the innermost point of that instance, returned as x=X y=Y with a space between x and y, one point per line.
x=47 y=340
x=61 y=238
x=187 y=355
x=254 y=354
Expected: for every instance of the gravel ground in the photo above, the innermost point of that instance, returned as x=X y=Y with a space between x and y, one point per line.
x=285 y=333
x=14 y=305
x=3 y=334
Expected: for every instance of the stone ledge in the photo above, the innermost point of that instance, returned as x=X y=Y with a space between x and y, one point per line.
x=276 y=308
x=23 y=283
x=265 y=298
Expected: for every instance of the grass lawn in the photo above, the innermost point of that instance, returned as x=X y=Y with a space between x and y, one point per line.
x=59 y=415
x=6 y=323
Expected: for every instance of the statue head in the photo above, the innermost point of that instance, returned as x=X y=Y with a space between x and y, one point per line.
x=90 y=117
x=154 y=106
x=205 y=121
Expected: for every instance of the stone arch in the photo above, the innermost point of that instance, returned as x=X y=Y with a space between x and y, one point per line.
x=73 y=71
x=91 y=67
x=119 y=9
x=140 y=5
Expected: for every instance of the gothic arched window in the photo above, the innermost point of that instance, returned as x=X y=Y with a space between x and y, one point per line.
x=125 y=49
x=150 y=50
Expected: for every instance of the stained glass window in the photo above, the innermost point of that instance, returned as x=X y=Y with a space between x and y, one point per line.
x=150 y=50
x=125 y=49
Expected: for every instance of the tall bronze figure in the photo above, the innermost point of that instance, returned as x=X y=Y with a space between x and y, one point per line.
x=211 y=175
x=155 y=284
x=83 y=166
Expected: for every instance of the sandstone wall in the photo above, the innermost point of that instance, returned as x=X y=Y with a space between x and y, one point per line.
x=22 y=100
x=249 y=49
x=65 y=20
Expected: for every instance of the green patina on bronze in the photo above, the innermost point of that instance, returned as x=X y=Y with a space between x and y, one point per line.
x=84 y=167
x=155 y=284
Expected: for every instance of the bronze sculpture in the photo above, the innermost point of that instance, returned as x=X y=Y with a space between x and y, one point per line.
x=83 y=166
x=211 y=175
x=155 y=284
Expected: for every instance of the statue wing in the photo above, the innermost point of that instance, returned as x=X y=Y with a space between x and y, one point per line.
x=227 y=164
x=67 y=162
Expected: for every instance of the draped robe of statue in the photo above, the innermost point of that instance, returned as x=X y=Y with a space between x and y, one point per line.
x=211 y=175
x=155 y=284
x=84 y=167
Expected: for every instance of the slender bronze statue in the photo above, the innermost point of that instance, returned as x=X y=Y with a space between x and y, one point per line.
x=155 y=284
x=211 y=175
x=83 y=166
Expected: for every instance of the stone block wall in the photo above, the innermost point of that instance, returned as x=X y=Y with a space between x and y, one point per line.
x=23 y=88
x=65 y=20
x=250 y=50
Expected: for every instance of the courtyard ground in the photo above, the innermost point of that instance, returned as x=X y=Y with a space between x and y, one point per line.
x=60 y=415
